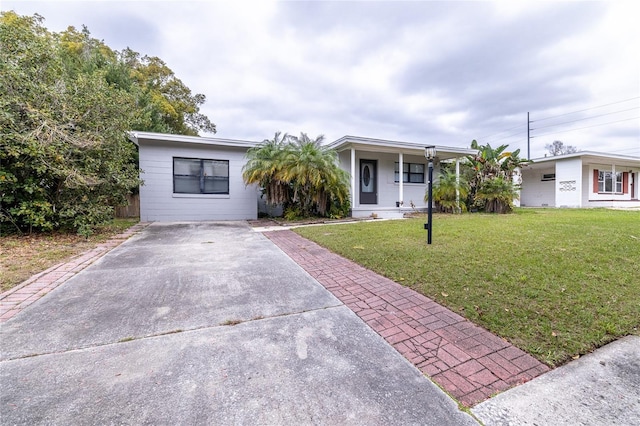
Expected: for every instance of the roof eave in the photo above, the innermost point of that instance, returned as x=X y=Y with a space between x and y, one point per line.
x=136 y=137
x=383 y=145
x=591 y=154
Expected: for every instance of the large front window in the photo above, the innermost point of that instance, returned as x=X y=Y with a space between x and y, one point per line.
x=411 y=172
x=609 y=181
x=199 y=176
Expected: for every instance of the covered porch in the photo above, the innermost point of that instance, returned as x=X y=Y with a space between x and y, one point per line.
x=390 y=178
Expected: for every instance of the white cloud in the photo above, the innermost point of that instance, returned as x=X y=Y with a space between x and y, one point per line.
x=416 y=71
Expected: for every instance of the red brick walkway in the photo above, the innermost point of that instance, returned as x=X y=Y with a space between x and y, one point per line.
x=21 y=296
x=470 y=363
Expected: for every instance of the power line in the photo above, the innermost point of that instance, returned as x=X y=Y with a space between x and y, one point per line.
x=558 y=124
x=586 y=109
x=586 y=127
x=495 y=134
x=508 y=136
x=586 y=118
x=627 y=149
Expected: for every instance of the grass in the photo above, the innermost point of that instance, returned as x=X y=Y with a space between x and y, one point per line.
x=557 y=283
x=26 y=255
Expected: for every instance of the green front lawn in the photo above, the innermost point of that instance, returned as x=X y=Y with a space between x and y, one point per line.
x=557 y=283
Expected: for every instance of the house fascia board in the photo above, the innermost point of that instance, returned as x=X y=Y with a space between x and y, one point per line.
x=589 y=157
x=136 y=137
x=381 y=145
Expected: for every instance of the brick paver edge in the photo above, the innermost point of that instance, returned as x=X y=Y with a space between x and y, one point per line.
x=467 y=361
x=19 y=297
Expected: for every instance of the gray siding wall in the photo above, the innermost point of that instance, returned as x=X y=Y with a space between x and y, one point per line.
x=388 y=189
x=159 y=203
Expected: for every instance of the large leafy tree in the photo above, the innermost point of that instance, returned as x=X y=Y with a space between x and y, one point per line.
x=66 y=103
x=299 y=173
x=64 y=157
x=164 y=104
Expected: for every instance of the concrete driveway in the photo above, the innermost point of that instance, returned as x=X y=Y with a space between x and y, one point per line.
x=205 y=323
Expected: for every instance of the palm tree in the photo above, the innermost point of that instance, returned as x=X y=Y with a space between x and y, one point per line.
x=448 y=192
x=317 y=180
x=264 y=167
x=489 y=165
x=299 y=172
x=512 y=162
x=497 y=195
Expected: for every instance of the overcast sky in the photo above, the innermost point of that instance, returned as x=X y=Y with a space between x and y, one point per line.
x=427 y=72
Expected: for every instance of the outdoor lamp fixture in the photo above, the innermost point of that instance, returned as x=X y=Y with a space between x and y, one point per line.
x=430 y=154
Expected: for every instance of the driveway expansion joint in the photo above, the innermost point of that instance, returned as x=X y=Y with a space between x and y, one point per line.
x=467 y=361
x=127 y=339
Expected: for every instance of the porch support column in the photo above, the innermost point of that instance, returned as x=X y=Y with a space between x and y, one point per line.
x=353 y=178
x=458 y=210
x=400 y=178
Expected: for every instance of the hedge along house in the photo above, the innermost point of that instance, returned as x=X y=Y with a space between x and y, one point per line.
x=190 y=178
x=582 y=179
x=377 y=186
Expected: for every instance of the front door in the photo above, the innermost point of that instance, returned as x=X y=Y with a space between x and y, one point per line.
x=368 y=182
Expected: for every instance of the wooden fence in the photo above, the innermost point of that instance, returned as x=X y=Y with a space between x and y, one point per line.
x=132 y=210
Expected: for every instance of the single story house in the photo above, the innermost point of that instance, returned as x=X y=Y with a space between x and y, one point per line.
x=188 y=178
x=581 y=179
x=374 y=167
x=191 y=178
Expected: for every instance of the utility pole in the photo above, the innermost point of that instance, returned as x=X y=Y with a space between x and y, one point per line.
x=528 y=137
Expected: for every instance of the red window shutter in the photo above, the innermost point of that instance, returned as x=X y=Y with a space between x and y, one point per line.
x=595 y=181
x=625 y=182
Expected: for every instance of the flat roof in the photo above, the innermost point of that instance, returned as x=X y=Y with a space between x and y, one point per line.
x=592 y=157
x=136 y=137
x=382 y=145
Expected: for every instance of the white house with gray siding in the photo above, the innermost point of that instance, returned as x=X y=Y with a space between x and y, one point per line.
x=190 y=178
x=581 y=179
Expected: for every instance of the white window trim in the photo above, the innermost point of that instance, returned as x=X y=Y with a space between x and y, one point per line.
x=201 y=195
x=219 y=196
x=614 y=182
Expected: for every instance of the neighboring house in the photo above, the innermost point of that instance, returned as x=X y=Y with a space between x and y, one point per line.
x=374 y=166
x=581 y=179
x=189 y=178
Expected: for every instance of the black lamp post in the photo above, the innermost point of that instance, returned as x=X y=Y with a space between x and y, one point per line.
x=430 y=154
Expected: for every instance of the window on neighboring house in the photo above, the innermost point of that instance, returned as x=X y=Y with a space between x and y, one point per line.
x=199 y=176
x=608 y=181
x=548 y=176
x=411 y=173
